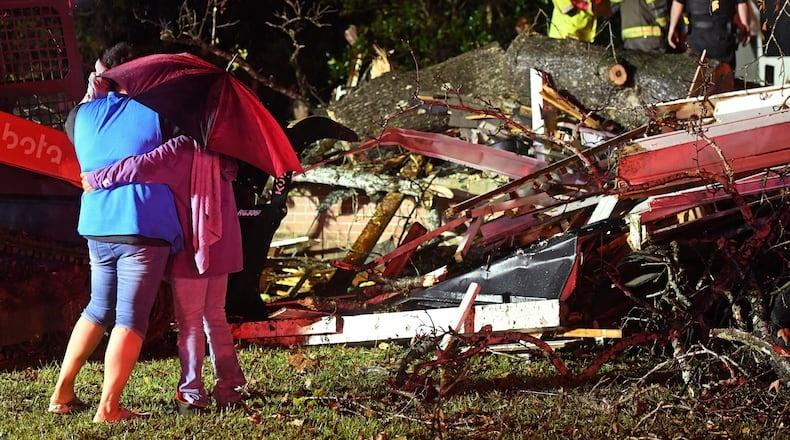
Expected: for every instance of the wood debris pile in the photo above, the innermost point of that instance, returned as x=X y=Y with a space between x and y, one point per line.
x=553 y=246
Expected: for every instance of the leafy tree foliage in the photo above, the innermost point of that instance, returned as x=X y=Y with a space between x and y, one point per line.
x=434 y=30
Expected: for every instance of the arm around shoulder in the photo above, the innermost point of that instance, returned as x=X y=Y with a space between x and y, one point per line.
x=161 y=165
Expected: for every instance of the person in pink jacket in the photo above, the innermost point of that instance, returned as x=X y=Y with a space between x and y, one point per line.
x=201 y=183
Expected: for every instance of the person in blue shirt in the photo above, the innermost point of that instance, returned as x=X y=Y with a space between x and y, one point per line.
x=131 y=231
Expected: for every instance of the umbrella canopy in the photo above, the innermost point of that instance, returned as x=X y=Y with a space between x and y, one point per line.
x=211 y=106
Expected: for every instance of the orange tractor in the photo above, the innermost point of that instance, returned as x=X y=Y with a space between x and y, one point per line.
x=43 y=262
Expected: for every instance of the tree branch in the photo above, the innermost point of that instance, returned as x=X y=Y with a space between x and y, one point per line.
x=267 y=82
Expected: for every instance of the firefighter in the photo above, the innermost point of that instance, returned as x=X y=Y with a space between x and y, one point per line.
x=711 y=26
x=644 y=23
x=572 y=19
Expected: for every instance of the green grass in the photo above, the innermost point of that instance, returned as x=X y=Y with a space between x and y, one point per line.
x=341 y=392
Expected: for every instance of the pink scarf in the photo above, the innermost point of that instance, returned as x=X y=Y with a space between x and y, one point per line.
x=206 y=201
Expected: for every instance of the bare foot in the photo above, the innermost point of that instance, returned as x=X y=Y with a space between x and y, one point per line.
x=120 y=415
x=65 y=404
x=62 y=396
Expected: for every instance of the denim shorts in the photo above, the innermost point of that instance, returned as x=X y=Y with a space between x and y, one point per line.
x=124 y=281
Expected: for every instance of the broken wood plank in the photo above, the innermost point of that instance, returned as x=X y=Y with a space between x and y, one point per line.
x=603 y=209
x=464 y=309
x=367 y=239
x=293 y=290
x=370 y=235
x=291 y=313
x=289 y=242
x=571 y=160
x=467 y=239
x=726 y=106
x=380 y=294
x=564 y=105
x=435 y=276
x=522 y=316
x=286 y=327
x=395 y=267
x=613 y=333
x=414 y=244
x=572 y=205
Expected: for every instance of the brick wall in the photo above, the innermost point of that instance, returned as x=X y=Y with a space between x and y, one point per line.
x=338 y=228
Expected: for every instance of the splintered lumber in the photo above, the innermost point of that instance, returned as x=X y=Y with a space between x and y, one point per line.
x=367 y=239
x=289 y=242
x=659 y=207
x=394 y=267
x=728 y=106
x=382 y=293
x=551 y=96
x=464 y=312
x=527 y=316
x=643 y=218
x=290 y=313
x=382 y=217
x=603 y=209
x=569 y=161
x=613 y=333
x=286 y=327
x=468 y=238
x=370 y=235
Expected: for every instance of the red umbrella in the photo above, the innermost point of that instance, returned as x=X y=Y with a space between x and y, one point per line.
x=211 y=106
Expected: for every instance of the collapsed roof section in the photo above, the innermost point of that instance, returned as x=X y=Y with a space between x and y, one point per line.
x=577 y=205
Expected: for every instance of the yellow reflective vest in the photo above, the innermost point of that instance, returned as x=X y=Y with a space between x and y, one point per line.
x=643 y=18
x=579 y=26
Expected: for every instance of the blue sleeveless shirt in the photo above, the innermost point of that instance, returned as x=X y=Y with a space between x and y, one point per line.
x=105 y=131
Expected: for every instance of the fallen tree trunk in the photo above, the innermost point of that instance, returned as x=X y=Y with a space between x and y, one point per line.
x=583 y=71
x=493 y=74
x=367 y=109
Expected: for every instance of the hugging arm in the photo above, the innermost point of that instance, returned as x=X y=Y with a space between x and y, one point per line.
x=160 y=165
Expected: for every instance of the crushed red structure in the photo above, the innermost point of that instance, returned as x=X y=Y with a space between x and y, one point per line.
x=600 y=202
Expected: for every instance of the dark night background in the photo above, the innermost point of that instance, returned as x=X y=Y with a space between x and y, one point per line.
x=434 y=29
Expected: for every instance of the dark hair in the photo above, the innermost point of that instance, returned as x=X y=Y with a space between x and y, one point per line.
x=118 y=54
